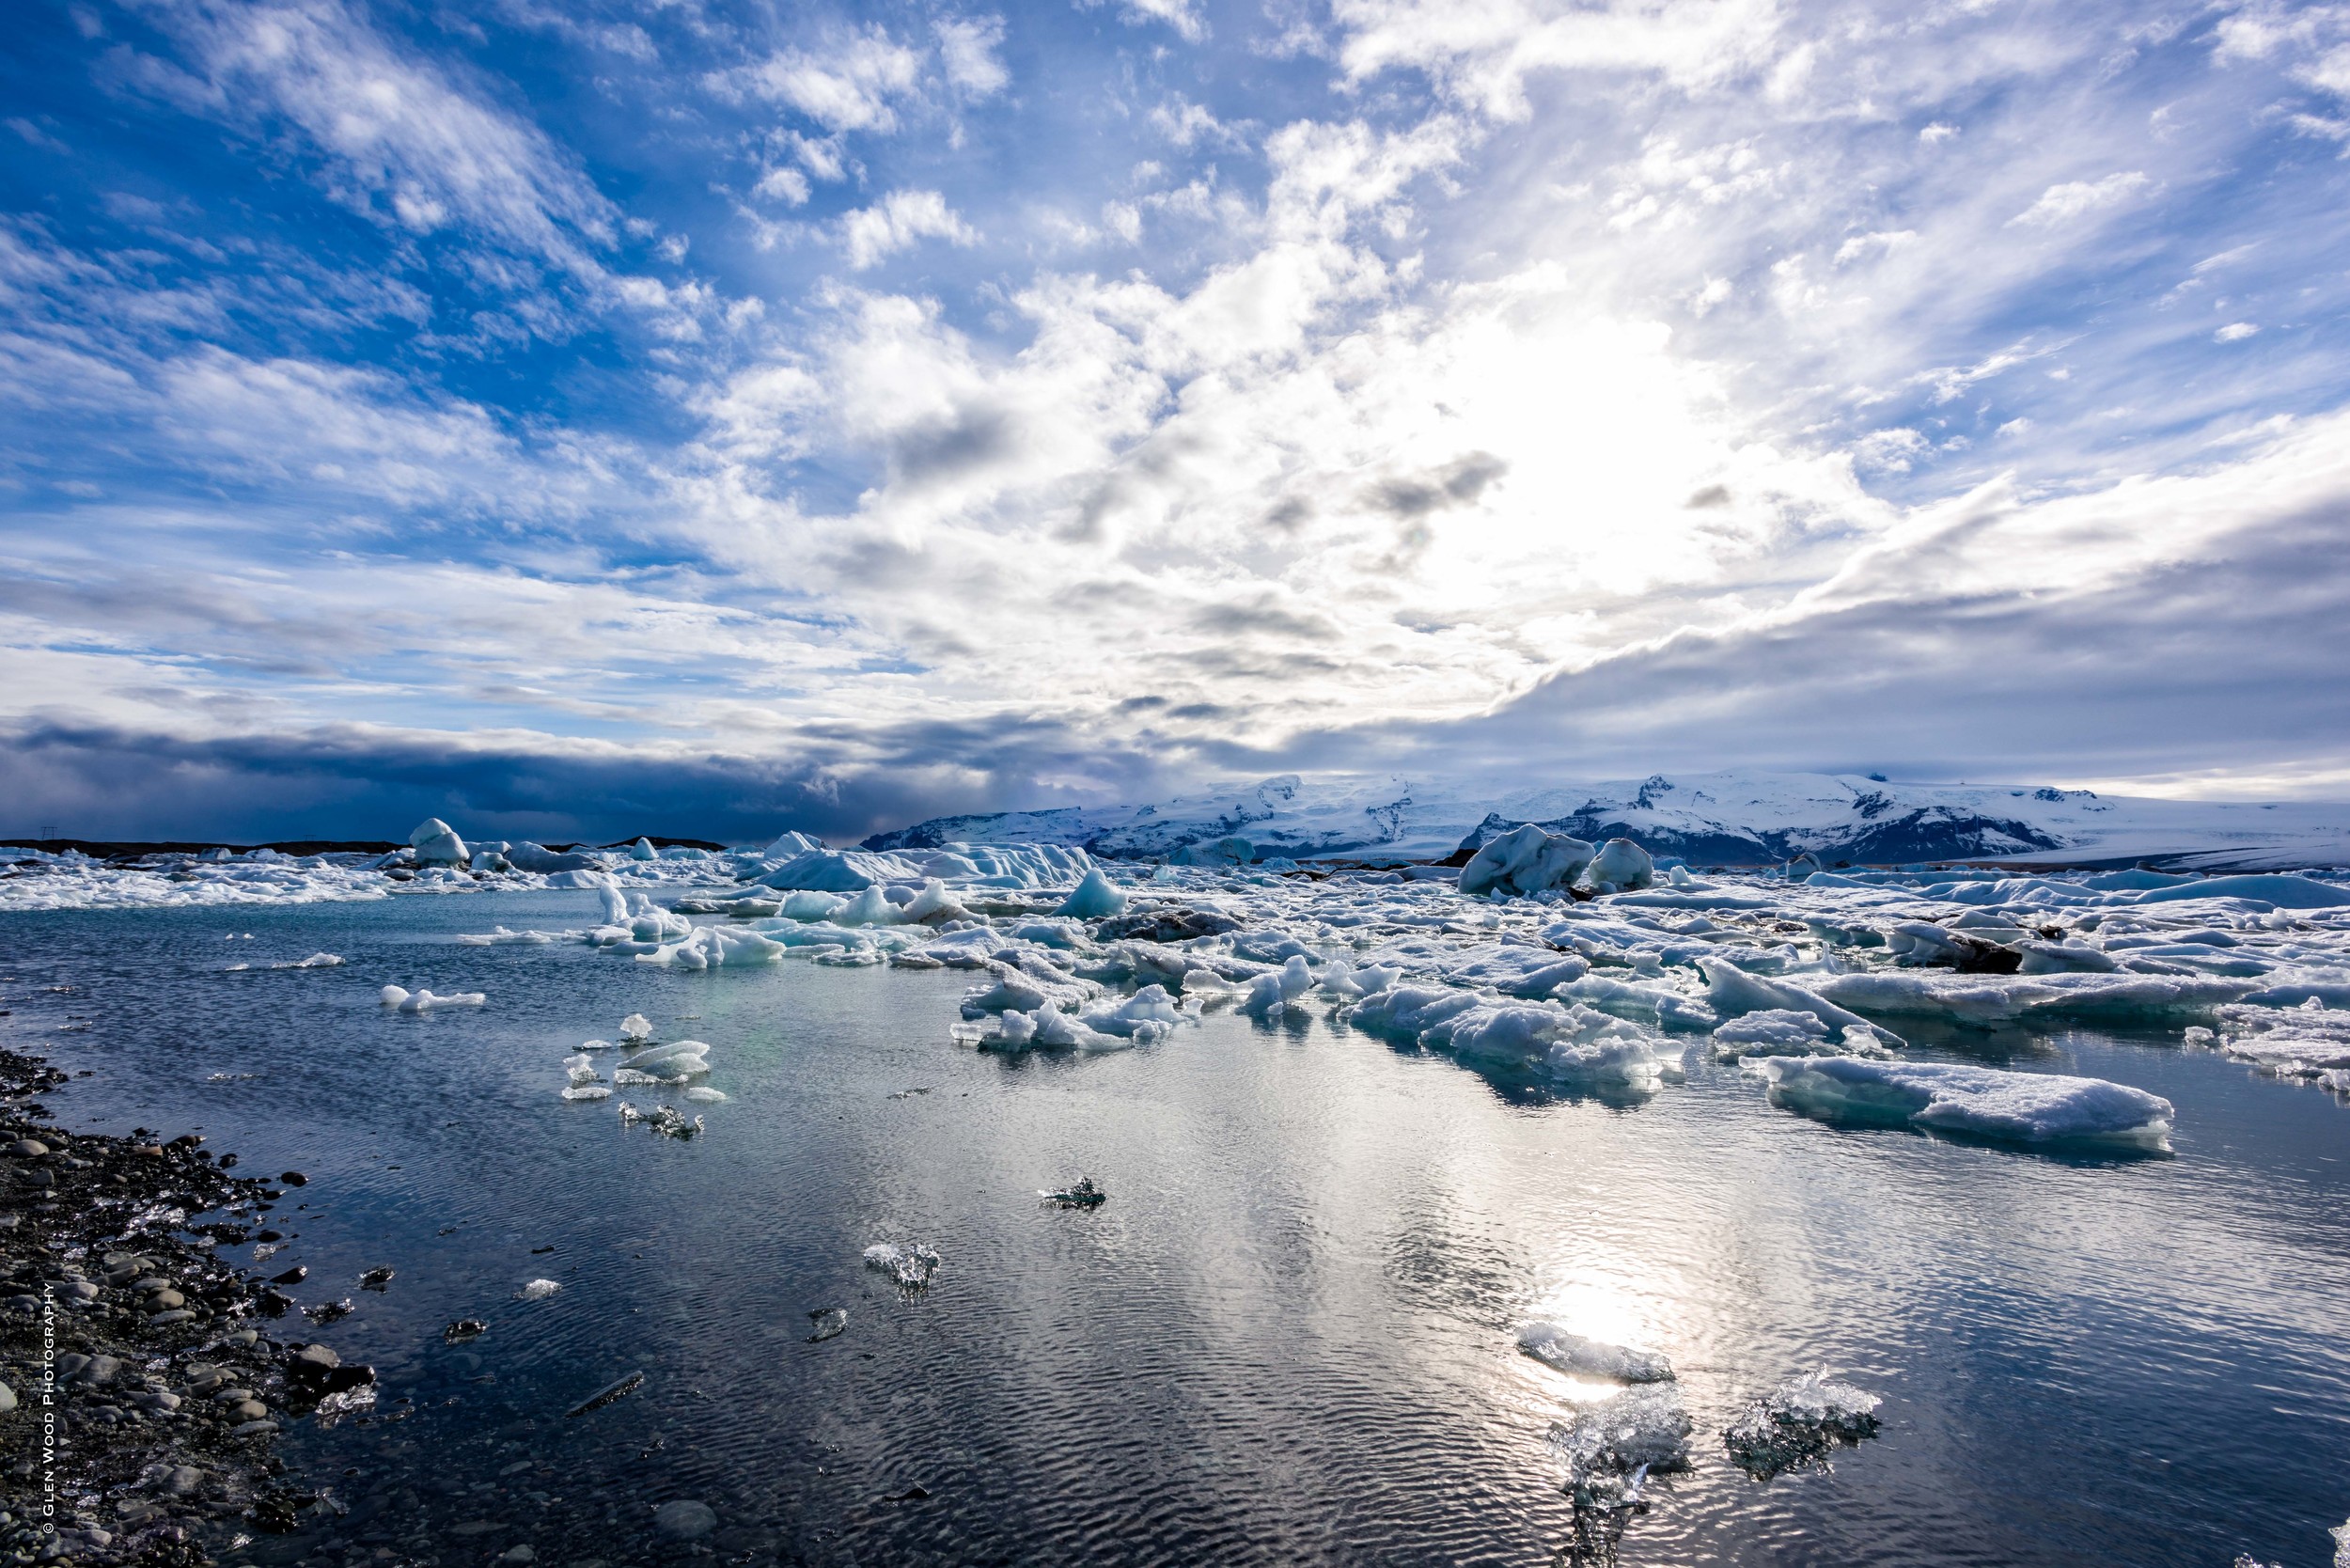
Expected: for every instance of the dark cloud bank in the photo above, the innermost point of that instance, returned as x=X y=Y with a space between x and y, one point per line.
x=2232 y=663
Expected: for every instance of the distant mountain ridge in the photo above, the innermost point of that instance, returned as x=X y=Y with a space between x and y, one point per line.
x=1734 y=818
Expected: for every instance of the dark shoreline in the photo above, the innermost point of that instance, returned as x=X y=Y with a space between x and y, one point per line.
x=149 y=1381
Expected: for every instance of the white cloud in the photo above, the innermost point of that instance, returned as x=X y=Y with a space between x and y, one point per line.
x=789 y=186
x=2060 y=204
x=898 y=222
x=856 y=84
x=407 y=146
x=1182 y=15
x=968 y=47
x=2235 y=332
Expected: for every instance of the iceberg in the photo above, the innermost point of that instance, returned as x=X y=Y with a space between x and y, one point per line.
x=2285 y=892
x=436 y=843
x=2043 y=1108
x=1526 y=859
x=1990 y=999
x=1094 y=898
x=537 y=858
x=840 y=871
x=1732 y=992
x=1621 y=866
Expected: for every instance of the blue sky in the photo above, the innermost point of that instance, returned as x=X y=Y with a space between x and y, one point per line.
x=696 y=418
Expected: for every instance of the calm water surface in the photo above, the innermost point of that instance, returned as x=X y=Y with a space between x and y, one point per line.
x=1287 y=1337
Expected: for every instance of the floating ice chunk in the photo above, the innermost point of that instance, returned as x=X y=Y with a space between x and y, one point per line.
x=712 y=946
x=642 y=850
x=807 y=903
x=1047 y=1029
x=543 y=861
x=1771 y=1032
x=1605 y=1445
x=1733 y=990
x=841 y=871
x=582 y=1068
x=1572 y=1354
x=1094 y=898
x=1988 y=1000
x=1406 y=1012
x=870 y=907
x=911 y=1266
x=316 y=961
x=2309 y=1043
x=636 y=1027
x=1981 y=1102
x=425 y=1001
x=704 y=1094
x=665 y=1120
x=1285 y=988
x=538 y=1289
x=670 y=1063
x=1798 y=1422
x=501 y=937
x=436 y=843
x=589 y=1092
x=933 y=905
x=1147 y=1015
x=2058 y=958
x=1621 y=865
x=2285 y=892
x=1526 y=859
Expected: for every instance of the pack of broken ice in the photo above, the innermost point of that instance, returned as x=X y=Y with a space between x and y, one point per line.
x=1586 y=965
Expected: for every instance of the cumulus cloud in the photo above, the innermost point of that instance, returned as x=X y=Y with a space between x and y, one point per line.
x=898 y=222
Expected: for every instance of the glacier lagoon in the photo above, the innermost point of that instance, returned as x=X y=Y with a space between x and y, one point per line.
x=1292 y=1331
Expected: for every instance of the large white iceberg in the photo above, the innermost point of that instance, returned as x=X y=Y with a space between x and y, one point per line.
x=840 y=871
x=436 y=843
x=1526 y=859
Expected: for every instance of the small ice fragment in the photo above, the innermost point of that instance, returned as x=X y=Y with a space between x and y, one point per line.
x=1981 y=1102
x=618 y=1388
x=589 y=1092
x=1085 y=1195
x=393 y=996
x=463 y=1329
x=636 y=1027
x=828 y=1322
x=581 y=1068
x=910 y=1267
x=1572 y=1354
x=704 y=1094
x=538 y=1289
x=1797 y=1423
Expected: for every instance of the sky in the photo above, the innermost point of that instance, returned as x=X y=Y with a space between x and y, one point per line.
x=660 y=415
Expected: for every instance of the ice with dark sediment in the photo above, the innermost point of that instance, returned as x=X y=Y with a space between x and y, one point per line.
x=1609 y=1446
x=911 y=1265
x=1798 y=1423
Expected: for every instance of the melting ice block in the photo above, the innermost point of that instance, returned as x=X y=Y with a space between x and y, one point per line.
x=425 y=1001
x=1572 y=1354
x=1982 y=1102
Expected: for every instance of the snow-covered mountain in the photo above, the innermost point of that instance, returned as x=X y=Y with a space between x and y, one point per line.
x=1734 y=818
